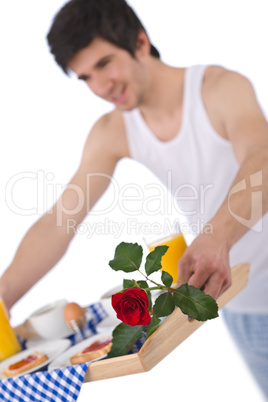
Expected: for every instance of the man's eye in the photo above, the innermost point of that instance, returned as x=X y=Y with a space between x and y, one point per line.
x=104 y=63
x=84 y=77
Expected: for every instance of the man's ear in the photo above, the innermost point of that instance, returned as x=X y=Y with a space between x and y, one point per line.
x=143 y=45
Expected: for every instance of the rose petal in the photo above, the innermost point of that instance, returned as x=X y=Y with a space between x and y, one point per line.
x=131 y=306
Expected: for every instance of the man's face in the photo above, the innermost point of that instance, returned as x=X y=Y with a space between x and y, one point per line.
x=111 y=73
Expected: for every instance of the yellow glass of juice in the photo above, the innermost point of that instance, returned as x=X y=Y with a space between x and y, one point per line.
x=9 y=344
x=176 y=247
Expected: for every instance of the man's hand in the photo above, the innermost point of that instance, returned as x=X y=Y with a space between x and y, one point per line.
x=205 y=265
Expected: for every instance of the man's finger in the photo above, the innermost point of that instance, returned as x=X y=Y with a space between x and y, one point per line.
x=185 y=271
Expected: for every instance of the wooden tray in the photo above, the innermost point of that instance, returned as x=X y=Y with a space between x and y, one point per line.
x=174 y=330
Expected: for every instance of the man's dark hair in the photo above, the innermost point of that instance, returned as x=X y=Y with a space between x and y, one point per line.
x=79 y=22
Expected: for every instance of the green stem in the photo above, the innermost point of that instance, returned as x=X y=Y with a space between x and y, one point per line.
x=156 y=288
x=146 y=277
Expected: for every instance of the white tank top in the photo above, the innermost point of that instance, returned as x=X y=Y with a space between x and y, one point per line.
x=198 y=166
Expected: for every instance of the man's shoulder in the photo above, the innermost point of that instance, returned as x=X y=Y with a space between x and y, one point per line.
x=217 y=77
x=112 y=121
x=108 y=134
x=223 y=90
x=222 y=87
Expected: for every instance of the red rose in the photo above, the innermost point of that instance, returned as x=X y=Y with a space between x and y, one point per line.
x=131 y=306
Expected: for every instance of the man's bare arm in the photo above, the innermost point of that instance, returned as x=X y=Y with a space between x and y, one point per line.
x=206 y=262
x=48 y=239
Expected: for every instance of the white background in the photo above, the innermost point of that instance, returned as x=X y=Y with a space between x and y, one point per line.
x=45 y=119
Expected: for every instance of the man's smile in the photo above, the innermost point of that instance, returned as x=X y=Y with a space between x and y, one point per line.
x=119 y=96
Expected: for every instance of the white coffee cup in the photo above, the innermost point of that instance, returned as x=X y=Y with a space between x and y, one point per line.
x=48 y=321
x=106 y=301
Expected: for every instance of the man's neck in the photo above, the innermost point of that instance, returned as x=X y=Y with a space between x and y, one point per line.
x=164 y=93
x=162 y=105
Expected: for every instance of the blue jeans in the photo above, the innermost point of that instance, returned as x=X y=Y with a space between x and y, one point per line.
x=250 y=332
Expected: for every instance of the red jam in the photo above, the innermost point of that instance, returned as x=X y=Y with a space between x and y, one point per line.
x=22 y=362
x=97 y=345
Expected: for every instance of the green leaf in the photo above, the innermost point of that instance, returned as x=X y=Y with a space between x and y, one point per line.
x=128 y=283
x=143 y=284
x=152 y=327
x=167 y=279
x=124 y=337
x=127 y=257
x=164 y=305
x=195 y=303
x=153 y=259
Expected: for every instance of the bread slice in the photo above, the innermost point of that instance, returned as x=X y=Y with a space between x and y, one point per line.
x=94 y=350
x=34 y=359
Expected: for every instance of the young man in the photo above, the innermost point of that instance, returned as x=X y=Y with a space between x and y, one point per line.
x=202 y=126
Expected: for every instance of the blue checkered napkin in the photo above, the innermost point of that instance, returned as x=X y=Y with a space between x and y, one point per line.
x=60 y=385
x=97 y=312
